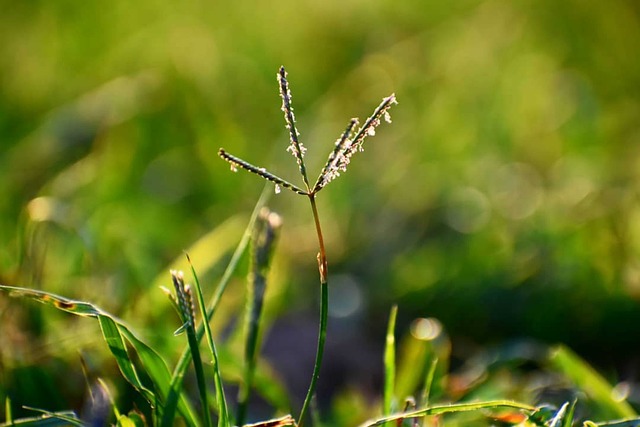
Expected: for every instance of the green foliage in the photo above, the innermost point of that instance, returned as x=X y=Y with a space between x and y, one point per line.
x=503 y=202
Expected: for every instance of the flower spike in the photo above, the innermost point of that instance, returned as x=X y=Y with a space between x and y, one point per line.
x=349 y=143
x=237 y=162
x=296 y=148
x=346 y=146
x=337 y=161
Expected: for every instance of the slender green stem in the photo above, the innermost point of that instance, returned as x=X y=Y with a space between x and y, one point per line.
x=390 y=363
x=322 y=255
x=324 y=304
x=197 y=364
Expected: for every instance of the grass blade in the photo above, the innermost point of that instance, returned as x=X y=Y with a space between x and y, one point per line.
x=589 y=381
x=118 y=348
x=47 y=419
x=390 y=363
x=154 y=365
x=567 y=421
x=183 y=299
x=185 y=358
x=452 y=408
x=223 y=412
x=560 y=415
x=428 y=381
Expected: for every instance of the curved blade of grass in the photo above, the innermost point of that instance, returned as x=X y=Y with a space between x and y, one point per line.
x=445 y=409
x=185 y=358
x=589 y=381
x=48 y=419
x=159 y=372
x=152 y=362
x=390 y=363
x=117 y=346
x=223 y=412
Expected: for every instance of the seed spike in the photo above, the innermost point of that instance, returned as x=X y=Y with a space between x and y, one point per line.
x=296 y=148
x=239 y=163
x=346 y=146
x=337 y=161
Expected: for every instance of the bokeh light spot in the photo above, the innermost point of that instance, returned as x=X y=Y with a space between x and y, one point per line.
x=426 y=329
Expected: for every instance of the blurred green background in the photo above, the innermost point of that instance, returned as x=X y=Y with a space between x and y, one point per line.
x=503 y=199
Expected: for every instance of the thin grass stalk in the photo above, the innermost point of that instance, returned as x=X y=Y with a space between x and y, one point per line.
x=324 y=304
x=428 y=383
x=223 y=412
x=390 y=363
x=264 y=236
x=185 y=357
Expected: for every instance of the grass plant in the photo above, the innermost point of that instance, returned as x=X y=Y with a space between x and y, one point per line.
x=348 y=144
x=148 y=373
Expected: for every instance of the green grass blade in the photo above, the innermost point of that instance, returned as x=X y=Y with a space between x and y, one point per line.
x=48 y=419
x=620 y=423
x=194 y=348
x=185 y=358
x=79 y=308
x=560 y=416
x=157 y=369
x=593 y=384
x=117 y=346
x=428 y=380
x=154 y=365
x=390 y=363
x=223 y=411
x=452 y=408
x=567 y=421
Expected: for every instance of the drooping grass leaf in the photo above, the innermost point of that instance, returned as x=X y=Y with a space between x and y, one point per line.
x=113 y=330
x=118 y=348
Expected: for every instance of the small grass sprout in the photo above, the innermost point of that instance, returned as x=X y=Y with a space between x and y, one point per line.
x=349 y=143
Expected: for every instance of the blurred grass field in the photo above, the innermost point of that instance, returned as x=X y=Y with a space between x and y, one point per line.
x=503 y=199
